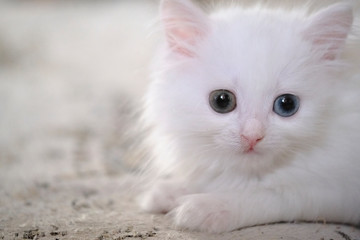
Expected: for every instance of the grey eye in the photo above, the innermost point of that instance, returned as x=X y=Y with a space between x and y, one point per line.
x=222 y=101
x=286 y=105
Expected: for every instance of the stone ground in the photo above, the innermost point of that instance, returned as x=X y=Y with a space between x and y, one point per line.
x=71 y=76
x=99 y=208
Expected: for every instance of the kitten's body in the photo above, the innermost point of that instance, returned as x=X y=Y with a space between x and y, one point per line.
x=303 y=167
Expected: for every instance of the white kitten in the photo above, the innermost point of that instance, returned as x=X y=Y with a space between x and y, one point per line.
x=254 y=118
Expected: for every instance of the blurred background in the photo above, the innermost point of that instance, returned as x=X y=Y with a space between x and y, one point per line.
x=72 y=76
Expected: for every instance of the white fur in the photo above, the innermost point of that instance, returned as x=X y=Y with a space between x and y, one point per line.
x=307 y=167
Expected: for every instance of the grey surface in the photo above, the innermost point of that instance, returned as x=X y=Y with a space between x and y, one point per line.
x=104 y=208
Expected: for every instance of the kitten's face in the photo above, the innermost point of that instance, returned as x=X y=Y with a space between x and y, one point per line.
x=231 y=112
x=249 y=93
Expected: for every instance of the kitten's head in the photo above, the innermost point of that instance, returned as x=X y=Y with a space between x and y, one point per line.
x=246 y=89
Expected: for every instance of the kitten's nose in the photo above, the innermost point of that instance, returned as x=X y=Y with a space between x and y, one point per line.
x=251 y=141
x=253 y=132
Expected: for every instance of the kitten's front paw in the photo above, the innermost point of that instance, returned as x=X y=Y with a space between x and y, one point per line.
x=203 y=212
x=162 y=197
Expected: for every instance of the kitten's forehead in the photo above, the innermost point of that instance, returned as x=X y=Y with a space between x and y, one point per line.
x=250 y=55
x=247 y=46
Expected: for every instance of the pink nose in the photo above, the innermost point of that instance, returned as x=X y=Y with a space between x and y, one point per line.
x=252 y=133
x=251 y=141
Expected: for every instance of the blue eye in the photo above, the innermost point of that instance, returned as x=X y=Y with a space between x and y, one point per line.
x=222 y=101
x=286 y=105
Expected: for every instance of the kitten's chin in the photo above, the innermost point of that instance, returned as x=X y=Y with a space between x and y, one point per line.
x=258 y=162
x=254 y=161
x=255 y=165
x=253 y=155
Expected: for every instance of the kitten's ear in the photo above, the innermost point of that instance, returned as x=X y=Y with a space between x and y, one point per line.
x=329 y=28
x=185 y=25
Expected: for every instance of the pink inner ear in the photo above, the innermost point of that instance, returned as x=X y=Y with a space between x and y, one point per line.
x=333 y=43
x=181 y=39
x=185 y=25
x=329 y=29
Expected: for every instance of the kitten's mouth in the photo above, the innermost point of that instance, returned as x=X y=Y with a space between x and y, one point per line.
x=249 y=150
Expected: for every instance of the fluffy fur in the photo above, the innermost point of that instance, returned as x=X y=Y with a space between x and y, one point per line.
x=306 y=167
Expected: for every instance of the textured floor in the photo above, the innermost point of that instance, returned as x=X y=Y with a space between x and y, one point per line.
x=104 y=208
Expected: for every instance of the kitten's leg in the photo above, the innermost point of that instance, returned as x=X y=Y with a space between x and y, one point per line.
x=162 y=196
x=225 y=212
x=205 y=212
